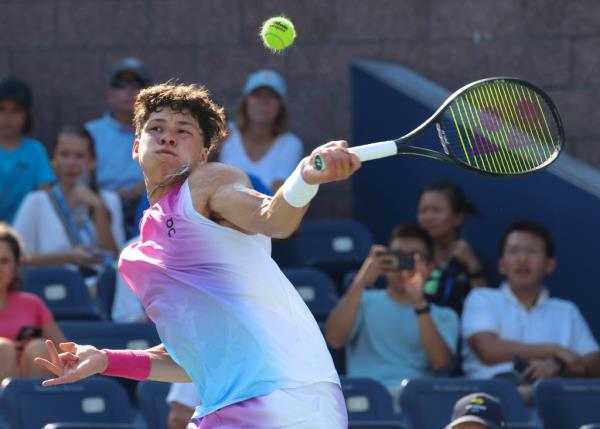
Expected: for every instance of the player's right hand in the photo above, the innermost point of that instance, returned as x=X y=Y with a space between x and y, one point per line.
x=338 y=163
x=75 y=363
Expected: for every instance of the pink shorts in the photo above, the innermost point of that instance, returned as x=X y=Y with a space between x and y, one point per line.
x=315 y=406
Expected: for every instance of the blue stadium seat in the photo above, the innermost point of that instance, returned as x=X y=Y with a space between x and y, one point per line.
x=375 y=425
x=338 y=355
x=333 y=245
x=152 y=395
x=90 y=426
x=27 y=405
x=567 y=403
x=368 y=401
x=106 y=290
x=419 y=397
x=316 y=289
x=64 y=291
x=110 y=335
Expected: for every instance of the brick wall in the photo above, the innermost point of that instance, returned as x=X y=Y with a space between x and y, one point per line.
x=64 y=47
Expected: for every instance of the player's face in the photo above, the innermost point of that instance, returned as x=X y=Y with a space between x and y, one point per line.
x=72 y=157
x=524 y=261
x=435 y=215
x=8 y=265
x=262 y=106
x=168 y=140
x=12 y=118
x=397 y=279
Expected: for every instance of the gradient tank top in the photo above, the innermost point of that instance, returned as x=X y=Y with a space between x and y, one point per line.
x=222 y=307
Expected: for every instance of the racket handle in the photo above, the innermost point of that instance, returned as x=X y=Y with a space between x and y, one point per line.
x=366 y=152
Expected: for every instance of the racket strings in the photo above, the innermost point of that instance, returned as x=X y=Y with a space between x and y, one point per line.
x=501 y=127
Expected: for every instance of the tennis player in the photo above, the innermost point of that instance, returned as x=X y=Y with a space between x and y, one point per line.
x=229 y=320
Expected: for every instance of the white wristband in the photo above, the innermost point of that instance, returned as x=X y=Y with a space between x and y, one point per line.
x=296 y=191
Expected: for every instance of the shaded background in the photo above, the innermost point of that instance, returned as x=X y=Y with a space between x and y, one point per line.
x=64 y=48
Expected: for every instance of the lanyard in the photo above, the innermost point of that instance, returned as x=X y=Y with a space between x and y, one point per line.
x=69 y=217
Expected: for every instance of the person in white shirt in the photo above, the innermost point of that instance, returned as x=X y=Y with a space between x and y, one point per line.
x=73 y=223
x=126 y=307
x=520 y=320
x=259 y=142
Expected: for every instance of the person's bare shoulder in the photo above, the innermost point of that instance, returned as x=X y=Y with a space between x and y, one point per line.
x=208 y=178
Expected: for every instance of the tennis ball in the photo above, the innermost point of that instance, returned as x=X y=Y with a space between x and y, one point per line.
x=277 y=33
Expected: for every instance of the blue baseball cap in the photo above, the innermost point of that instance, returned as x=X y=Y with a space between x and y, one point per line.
x=267 y=79
x=132 y=65
x=478 y=408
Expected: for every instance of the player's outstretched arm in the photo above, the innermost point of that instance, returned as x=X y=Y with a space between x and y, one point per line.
x=77 y=362
x=280 y=215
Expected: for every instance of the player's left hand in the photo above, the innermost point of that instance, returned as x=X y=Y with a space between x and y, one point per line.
x=338 y=163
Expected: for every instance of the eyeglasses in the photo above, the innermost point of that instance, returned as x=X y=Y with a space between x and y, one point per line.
x=127 y=83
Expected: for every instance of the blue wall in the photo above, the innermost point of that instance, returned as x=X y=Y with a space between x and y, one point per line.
x=385 y=193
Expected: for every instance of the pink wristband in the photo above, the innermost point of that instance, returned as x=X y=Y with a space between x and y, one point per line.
x=134 y=364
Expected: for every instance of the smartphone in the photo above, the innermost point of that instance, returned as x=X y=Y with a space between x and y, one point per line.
x=29 y=332
x=403 y=261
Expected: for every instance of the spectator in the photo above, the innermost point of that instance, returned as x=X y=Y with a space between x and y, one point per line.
x=113 y=135
x=477 y=411
x=24 y=164
x=24 y=318
x=394 y=334
x=520 y=320
x=442 y=210
x=126 y=307
x=259 y=142
x=183 y=399
x=72 y=223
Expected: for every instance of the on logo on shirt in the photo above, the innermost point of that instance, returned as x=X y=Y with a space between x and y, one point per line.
x=170 y=227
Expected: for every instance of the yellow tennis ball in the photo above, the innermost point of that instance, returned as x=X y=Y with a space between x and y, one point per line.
x=277 y=33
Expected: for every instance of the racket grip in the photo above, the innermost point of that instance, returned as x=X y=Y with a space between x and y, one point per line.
x=377 y=150
x=366 y=152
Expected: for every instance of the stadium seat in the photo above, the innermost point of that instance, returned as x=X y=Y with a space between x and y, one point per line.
x=27 y=405
x=106 y=290
x=152 y=395
x=419 y=397
x=567 y=403
x=333 y=245
x=90 y=426
x=368 y=401
x=110 y=335
x=338 y=355
x=375 y=425
x=64 y=291
x=316 y=289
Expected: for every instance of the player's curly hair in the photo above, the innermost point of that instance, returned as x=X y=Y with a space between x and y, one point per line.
x=193 y=99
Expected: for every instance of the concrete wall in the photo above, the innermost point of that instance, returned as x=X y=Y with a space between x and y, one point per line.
x=64 y=47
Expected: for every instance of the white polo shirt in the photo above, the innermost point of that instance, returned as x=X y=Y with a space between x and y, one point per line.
x=549 y=321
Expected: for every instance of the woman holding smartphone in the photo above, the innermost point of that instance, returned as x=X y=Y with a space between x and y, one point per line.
x=73 y=223
x=25 y=321
x=442 y=211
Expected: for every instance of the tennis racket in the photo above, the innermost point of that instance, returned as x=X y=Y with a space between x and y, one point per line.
x=499 y=126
